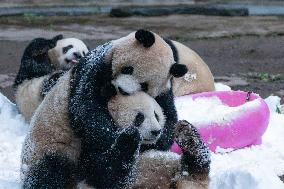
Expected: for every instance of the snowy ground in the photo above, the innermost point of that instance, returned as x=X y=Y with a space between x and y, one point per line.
x=257 y=167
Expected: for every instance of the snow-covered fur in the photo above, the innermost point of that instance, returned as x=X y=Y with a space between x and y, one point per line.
x=94 y=150
x=40 y=69
x=162 y=169
x=198 y=78
x=50 y=141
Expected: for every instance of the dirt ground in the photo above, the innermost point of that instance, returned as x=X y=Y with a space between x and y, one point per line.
x=250 y=49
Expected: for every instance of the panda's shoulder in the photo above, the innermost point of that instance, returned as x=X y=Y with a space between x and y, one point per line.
x=174 y=49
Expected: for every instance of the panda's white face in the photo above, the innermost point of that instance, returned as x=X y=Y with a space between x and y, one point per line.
x=67 y=53
x=139 y=110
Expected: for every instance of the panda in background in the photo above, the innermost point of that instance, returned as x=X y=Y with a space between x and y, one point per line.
x=67 y=53
x=104 y=158
x=43 y=62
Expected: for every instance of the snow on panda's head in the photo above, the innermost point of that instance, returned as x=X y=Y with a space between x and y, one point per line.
x=143 y=61
x=67 y=53
x=139 y=110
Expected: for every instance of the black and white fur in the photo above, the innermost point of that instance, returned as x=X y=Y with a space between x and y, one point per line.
x=41 y=65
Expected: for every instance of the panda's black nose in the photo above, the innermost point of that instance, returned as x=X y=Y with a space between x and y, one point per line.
x=155 y=132
x=77 y=55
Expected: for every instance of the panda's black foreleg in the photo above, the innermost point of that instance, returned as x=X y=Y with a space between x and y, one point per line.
x=117 y=164
x=166 y=101
x=195 y=159
x=52 y=171
x=50 y=82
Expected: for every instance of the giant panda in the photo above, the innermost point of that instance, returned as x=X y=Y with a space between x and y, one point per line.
x=43 y=62
x=198 y=78
x=162 y=169
x=107 y=157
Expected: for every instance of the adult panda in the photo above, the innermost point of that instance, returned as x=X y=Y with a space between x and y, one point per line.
x=43 y=62
x=198 y=78
x=106 y=157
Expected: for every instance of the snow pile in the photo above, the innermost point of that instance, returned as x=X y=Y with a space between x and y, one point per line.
x=256 y=167
x=12 y=132
x=214 y=109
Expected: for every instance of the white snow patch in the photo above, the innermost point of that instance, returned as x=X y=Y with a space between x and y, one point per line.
x=273 y=103
x=257 y=167
x=203 y=111
x=12 y=132
x=222 y=87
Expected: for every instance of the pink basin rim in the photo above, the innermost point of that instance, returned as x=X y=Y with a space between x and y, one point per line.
x=242 y=131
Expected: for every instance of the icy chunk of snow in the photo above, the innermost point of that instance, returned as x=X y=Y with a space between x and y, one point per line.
x=273 y=102
x=12 y=132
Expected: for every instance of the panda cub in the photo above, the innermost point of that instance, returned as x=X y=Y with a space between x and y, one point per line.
x=139 y=110
x=43 y=62
x=162 y=169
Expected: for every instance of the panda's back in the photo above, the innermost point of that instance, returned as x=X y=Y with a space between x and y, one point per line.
x=28 y=96
x=50 y=132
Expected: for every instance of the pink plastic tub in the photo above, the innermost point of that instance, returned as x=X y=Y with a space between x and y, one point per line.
x=242 y=131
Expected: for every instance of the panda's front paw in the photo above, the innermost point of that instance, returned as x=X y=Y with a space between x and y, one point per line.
x=186 y=135
x=50 y=82
x=196 y=156
x=129 y=141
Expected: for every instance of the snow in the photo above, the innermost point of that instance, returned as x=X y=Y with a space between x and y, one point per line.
x=257 y=167
x=12 y=132
x=222 y=87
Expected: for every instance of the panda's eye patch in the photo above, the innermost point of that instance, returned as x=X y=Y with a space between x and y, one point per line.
x=84 y=54
x=139 y=119
x=67 y=48
x=127 y=70
x=144 y=86
x=157 y=117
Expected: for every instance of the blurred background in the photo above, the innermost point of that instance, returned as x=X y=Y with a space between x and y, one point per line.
x=242 y=41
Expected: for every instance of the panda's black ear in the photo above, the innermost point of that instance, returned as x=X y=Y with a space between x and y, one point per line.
x=178 y=70
x=145 y=37
x=56 y=38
